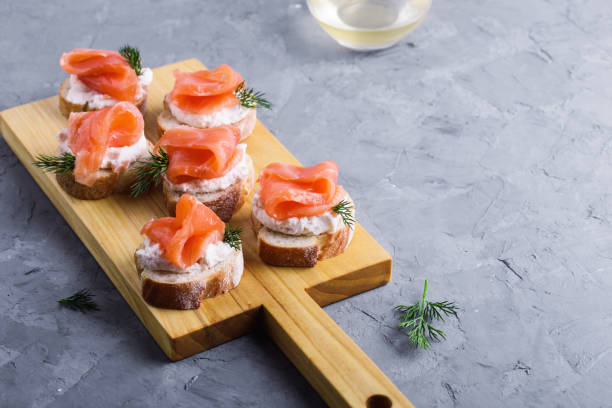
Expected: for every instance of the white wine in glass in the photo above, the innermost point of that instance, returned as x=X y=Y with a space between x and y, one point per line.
x=367 y=25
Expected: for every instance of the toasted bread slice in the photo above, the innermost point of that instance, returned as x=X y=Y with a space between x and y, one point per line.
x=107 y=182
x=276 y=248
x=166 y=121
x=172 y=290
x=65 y=106
x=223 y=202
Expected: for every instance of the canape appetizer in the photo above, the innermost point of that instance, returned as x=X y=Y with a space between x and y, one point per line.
x=208 y=163
x=102 y=78
x=301 y=214
x=210 y=98
x=187 y=258
x=98 y=151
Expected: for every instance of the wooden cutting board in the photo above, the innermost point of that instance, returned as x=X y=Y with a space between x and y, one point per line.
x=285 y=302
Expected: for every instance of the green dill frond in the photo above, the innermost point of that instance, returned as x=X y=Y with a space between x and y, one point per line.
x=416 y=319
x=251 y=99
x=345 y=209
x=132 y=56
x=81 y=300
x=232 y=236
x=149 y=172
x=55 y=164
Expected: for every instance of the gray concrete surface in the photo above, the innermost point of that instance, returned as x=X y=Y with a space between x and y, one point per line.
x=478 y=150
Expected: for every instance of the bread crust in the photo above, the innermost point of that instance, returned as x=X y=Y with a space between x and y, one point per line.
x=307 y=254
x=66 y=107
x=165 y=121
x=107 y=182
x=103 y=187
x=189 y=295
x=224 y=203
x=302 y=257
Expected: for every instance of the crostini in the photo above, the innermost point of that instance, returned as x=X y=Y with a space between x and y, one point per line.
x=301 y=215
x=102 y=78
x=98 y=151
x=210 y=98
x=186 y=258
x=208 y=163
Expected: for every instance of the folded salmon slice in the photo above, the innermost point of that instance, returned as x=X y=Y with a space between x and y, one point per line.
x=200 y=153
x=294 y=191
x=104 y=71
x=183 y=239
x=206 y=91
x=90 y=134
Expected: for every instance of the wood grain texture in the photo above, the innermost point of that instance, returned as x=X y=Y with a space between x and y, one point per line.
x=285 y=301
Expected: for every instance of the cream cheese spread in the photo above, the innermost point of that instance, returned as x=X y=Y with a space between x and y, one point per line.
x=151 y=257
x=328 y=222
x=224 y=116
x=238 y=172
x=116 y=158
x=81 y=94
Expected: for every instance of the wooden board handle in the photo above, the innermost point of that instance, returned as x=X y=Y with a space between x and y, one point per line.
x=333 y=364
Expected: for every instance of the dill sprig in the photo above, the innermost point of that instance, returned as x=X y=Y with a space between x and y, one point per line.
x=132 y=56
x=232 y=236
x=251 y=99
x=417 y=318
x=55 y=164
x=345 y=209
x=81 y=300
x=149 y=172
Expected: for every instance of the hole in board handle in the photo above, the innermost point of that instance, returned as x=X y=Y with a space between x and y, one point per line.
x=378 y=401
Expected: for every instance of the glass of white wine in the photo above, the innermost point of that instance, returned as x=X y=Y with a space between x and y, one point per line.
x=367 y=25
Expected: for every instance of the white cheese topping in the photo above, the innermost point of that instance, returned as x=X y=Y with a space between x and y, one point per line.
x=239 y=172
x=150 y=257
x=328 y=222
x=224 y=116
x=146 y=77
x=81 y=94
x=116 y=158
x=215 y=253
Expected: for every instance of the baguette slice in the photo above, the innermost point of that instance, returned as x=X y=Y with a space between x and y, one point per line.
x=171 y=290
x=224 y=203
x=107 y=182
x=166 y=121
x=65 y=106
x=278 y=249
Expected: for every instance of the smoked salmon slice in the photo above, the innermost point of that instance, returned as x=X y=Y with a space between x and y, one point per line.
x=104 y=71
x=294 y=191
x=205 y=91
x=183 y=239
x=196 y=153
x=90 y=134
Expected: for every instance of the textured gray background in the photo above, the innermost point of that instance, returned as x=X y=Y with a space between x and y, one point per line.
x=484 y=136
